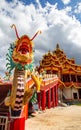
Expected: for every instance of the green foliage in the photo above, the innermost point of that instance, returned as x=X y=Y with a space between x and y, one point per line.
x=34 y=97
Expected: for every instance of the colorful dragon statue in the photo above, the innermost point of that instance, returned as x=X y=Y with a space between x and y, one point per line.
x=20 y=57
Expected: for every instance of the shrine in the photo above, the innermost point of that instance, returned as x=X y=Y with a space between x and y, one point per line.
x=69 y=73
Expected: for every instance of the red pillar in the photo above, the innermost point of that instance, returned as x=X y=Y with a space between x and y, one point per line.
x=43 y=99
x=49 y=98
x=56 y=95
x=53 y=98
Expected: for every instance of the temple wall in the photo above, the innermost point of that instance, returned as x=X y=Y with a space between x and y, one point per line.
x=71 y=93
x=67 y=93
x=75 y=91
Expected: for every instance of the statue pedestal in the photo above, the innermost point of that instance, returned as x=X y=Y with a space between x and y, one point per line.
x=17 y=123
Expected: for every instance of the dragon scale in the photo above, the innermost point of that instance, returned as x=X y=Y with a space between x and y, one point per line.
x=19 y=80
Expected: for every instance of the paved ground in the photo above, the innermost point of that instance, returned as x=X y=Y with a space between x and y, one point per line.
x=59 y=118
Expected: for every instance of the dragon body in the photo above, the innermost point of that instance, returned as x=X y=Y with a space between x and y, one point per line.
x=20 y=58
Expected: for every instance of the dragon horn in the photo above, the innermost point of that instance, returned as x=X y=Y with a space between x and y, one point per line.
x=13 y=25
x=35 y=35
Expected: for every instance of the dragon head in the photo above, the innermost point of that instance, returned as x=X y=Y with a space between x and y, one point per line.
x=23 y=51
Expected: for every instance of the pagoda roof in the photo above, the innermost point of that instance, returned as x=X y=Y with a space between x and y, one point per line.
x=58 y=59
x=69 y=65
x=70 y=71
x=68 y=84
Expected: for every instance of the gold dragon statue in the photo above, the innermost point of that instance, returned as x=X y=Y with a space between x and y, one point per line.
x=20 y=58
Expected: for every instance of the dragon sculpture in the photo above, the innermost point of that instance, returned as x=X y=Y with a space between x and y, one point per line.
x=20 y=58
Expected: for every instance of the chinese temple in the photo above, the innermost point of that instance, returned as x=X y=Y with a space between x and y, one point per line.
x=69 y=73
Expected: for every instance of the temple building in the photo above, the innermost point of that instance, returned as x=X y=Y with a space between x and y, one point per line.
x=69 y=73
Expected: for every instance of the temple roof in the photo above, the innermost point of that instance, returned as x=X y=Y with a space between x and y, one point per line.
x=57 y=60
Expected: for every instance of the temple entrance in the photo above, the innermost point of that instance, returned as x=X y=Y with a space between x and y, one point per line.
x=75 y=96
x=79 y=91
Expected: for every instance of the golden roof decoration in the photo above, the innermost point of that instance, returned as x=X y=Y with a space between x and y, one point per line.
x=58 y=58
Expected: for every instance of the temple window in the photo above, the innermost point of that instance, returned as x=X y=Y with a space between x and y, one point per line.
x=79 y=92
x=75 y=96
x=79 y=78
x=66 y=78
x=49 y=72
x=73 y=78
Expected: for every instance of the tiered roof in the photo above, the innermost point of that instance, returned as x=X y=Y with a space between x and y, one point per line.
x=58 y=61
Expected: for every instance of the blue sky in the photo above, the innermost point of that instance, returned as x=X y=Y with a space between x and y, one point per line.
x=59 y=21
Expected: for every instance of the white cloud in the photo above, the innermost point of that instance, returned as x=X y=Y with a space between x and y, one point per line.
x=56 y=26
x=78 y=8
x=66 y=1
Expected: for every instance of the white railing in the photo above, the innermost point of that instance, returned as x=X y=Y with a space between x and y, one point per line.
x=49 y=76
x=3 y=122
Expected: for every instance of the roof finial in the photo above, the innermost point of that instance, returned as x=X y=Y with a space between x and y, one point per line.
x=57 y=46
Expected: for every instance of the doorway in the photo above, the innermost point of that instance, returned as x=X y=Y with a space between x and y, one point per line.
x=75 y=96
x=79 y=91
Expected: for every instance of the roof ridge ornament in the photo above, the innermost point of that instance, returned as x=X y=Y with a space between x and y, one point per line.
x=57 y=46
